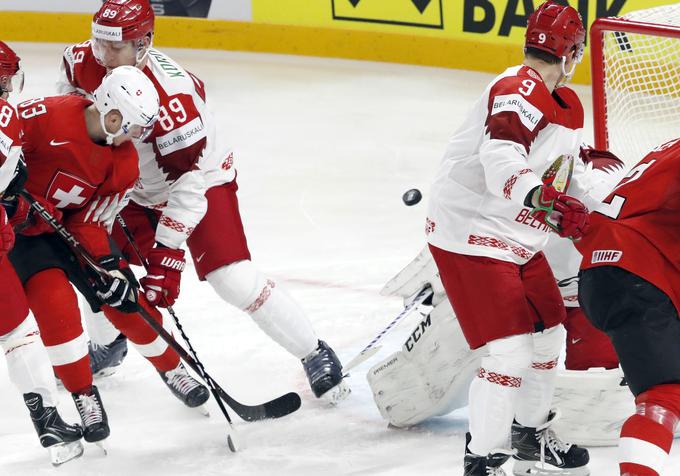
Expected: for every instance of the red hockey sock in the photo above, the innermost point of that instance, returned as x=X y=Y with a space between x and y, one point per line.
x=55 y=306
x=647 y=436
x=156 y=351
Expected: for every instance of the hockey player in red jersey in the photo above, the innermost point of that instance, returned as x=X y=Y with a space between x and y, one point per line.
x=629 y=287
x=27 y=361
x=187 y=191
x=80 y=159
x=487 y=224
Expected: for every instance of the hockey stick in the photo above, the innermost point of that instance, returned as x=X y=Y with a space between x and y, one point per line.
x=279 y=407
x=371 y=349
x=273 y=409
x=100 y=273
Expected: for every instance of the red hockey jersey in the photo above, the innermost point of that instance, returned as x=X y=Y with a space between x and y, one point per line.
x=637 y=227
x=87 y=181
x=10 y=143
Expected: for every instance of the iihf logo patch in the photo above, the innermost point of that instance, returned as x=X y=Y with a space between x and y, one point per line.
x=606 y=256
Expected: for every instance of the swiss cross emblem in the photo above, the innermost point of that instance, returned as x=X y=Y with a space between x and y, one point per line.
x=69 y=191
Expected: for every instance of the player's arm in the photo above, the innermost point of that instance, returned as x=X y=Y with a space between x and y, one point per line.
x=67 y=82
x=514 y=119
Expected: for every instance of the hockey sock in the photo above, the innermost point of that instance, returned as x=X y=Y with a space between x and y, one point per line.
x=242 y=285
x=494 y=392
x=55 y=307
x=143 y=337
x=27 y=362
x=647 y=436
x=538 y=385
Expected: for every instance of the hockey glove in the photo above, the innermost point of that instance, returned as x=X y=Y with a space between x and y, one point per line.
x=26 y=221
x=6 y=233
x=119 y=288
x=161 y=284
x=564 y=214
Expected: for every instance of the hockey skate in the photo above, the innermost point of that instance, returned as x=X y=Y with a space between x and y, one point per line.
x=490 y=465
x=61 y=439
x=541 y=452
x=93 y=416
x=105 y=359
x=324 y=372
x=186 y=388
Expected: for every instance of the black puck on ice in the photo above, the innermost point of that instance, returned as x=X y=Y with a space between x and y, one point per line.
x=411 y=197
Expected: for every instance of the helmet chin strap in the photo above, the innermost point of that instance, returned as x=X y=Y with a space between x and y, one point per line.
x=566 y=76
x=109 y=137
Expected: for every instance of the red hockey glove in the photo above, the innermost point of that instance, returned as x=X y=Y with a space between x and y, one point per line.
x=564 y=214
x=6 y=233
x=27 y=222
x=164 y=275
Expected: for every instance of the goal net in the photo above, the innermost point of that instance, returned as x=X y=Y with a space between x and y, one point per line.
x=636 y=81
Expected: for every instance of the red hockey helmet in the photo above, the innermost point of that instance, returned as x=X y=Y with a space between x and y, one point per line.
x=11 y=76
x=557 y=30
x=123 y=20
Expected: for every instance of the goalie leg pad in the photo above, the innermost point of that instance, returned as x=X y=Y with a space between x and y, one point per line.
x=415 y=276
x=429 y=376
x=594 y=404
x=242 y=285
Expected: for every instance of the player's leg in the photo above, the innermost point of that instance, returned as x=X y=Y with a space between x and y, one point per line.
x=502 y=324
x=164 y=359
x=220 y=252
x=29 y=370
x=587 y=346
x=108 y=347
x=644 y=327
x=533 y=435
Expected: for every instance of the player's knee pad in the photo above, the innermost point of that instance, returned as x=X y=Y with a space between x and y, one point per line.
x=548 y=344
x=429 y=376
x=661 y=404
x=510 y=355
x=240 y=284
x=594 y=404
x=25 y=333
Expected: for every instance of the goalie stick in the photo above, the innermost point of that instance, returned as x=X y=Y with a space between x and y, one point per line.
x=275 y=408
x=279 y=407
x=371 y=349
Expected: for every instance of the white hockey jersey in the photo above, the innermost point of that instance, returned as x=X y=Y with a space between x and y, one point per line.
x=182 y=158
x=511 y=136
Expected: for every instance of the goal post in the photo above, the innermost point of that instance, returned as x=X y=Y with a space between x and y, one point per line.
x=635 y=62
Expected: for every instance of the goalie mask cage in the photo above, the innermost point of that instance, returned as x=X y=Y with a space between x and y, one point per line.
x=635 y=64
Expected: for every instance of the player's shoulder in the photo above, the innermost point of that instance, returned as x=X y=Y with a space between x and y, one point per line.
x=521 y=80
x=169 y=74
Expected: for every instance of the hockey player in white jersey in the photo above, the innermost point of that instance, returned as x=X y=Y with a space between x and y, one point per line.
x=489 y=217
x=431 y=374
x=186 y=193
x=27 y=361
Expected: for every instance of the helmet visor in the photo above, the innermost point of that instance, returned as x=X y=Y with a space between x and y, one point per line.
x=112 y=54
x=12 y=83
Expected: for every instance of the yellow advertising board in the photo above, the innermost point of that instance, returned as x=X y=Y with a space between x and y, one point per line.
x=480 y=35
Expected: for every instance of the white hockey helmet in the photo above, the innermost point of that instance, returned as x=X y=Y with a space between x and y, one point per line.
x=129 y=91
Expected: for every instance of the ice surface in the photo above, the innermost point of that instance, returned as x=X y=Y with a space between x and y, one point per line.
x=325 y=150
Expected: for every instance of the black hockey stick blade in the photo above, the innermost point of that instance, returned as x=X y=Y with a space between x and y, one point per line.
x=277 y=408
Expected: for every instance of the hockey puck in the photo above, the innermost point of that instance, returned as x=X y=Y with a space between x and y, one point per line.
x=411 y=197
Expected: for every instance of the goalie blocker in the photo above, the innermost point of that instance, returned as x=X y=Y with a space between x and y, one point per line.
x=430 y=375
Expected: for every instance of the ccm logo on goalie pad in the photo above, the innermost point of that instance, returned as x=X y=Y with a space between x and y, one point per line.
x=417 y=333
x=527 y=112
x=173 y=263
x=606 y=256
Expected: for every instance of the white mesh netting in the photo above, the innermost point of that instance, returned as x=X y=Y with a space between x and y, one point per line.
x=642 y=85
